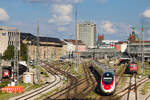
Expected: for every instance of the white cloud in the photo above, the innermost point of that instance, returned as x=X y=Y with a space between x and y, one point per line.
x=108 y=27
x=55 y=1
x=146 y=13
x=3 y=15
x=61 y=14
x=114 y=30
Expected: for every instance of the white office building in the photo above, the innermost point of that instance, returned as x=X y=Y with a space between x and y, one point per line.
x=86 y=32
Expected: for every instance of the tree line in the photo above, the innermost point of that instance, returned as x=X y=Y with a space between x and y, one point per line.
x=9 y=52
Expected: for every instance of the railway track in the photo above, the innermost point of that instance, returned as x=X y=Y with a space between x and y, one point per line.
x=90 y=84
x=118 y=78
x=147 y=98
x=118 y=94
x=71 y=91
x=131 y=87
x=135 y=88
x=75 y=90
x=32 y=95
x=62 y=93
x=72 y=79
x=55 y=72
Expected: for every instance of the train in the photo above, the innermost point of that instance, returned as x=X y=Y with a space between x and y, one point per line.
x=133 y=67
x=6 y=73
x=124 y=60
x=106 y=78
x=108 y=82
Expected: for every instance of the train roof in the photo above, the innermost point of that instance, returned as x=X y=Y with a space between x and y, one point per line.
x=110 y=70
x=125 y=57
x=104 y=67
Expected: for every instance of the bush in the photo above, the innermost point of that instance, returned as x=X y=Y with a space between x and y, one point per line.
x=3 y=84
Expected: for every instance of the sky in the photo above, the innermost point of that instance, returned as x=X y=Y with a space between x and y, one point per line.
x=113 y=18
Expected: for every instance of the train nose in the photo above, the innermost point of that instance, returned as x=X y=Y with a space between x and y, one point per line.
x=107 y=87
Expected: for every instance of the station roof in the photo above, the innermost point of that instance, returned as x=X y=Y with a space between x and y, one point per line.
x=29 y=37
x=49 y=39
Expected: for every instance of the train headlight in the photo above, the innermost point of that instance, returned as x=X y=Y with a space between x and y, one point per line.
x=111 y=86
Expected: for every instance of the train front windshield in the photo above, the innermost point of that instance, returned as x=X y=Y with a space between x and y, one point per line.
x=107 y=78
x=133 y=65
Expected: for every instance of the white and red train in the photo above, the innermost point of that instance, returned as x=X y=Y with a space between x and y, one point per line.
x=108 y=82
x=6 y=73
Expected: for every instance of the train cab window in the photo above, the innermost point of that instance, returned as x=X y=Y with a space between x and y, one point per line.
x=6 y=72
x=132 y=65
x=107 y=78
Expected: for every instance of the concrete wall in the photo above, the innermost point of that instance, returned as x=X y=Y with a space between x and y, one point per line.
x=45 y=52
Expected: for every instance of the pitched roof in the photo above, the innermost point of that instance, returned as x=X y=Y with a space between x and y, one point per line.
x=49 y=39
x=29 y=36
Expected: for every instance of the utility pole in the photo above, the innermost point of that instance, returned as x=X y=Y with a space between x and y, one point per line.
x=16 y=55
x=129 y=46
x=15 y=58
x=18 y=51
x=142 y=69
x=47 y=49
x=76 y=50
x=0 y=70
x=28 y=47
x=37 y=55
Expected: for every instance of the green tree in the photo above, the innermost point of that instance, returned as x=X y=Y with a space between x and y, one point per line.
x=24 y=50
x=9 y=53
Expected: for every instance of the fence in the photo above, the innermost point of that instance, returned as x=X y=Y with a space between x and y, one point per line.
x=13 y=89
